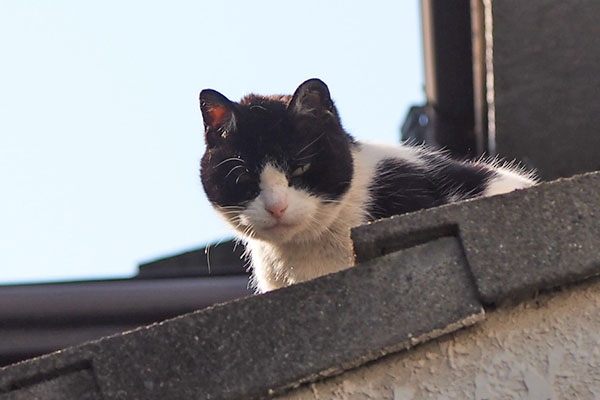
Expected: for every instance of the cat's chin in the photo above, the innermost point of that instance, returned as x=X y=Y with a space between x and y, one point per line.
x=278 y=233
x=267 y=231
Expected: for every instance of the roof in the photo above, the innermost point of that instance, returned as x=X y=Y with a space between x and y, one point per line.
x=419 y=276
x=41 y=318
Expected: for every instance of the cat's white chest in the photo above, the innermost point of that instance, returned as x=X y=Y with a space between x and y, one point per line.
x=279 y=266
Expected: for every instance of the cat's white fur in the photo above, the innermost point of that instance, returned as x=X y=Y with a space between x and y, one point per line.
x=507 y=181
x=312 y=238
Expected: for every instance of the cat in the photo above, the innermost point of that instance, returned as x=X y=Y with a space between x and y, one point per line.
x=291 y=182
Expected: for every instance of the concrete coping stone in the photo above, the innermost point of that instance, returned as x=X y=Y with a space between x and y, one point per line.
x=515 y=244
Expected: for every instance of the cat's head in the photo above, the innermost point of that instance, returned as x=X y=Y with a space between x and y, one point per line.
x=276 y=167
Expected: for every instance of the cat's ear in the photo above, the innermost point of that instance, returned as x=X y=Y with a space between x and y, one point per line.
x=312 y=97
x=218 y=112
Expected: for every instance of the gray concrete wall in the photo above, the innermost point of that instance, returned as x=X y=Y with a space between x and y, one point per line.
x=544 y=348
x=545 y=68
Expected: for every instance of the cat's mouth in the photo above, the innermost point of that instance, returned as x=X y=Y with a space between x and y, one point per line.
x=281 y=230
x=279 y=226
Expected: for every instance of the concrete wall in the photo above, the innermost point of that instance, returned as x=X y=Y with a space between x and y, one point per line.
x=545 y=80
x=544 y=348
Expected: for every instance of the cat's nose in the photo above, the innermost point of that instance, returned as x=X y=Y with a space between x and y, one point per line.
x=277 y=209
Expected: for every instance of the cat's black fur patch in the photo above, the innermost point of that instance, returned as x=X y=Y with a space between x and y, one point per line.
x=463 y=179
x=283 y=130
x=400 y=186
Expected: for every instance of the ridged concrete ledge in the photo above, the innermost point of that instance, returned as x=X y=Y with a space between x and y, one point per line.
x=420 y=275
x=515 y=244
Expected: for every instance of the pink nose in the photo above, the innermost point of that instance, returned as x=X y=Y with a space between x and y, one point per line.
x=276 y=209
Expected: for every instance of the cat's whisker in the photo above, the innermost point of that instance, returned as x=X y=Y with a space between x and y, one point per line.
x=237 y=220
x=233 y=169
x=310 y=144
x=237 y=180
x=330 y=201
x=249 y=232
x=256 y=106
x=306 y=157
x=230 y=159
x=231 y=214
x=231 y=208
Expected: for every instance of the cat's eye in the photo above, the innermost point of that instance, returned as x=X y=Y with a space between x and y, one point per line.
x=300 y=170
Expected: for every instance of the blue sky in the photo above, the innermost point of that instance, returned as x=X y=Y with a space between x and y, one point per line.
x=100 y=132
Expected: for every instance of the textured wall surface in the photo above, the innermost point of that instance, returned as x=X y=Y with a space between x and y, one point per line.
x=544 y=348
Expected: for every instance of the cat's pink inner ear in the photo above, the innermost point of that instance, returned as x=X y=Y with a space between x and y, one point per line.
x=215 y=115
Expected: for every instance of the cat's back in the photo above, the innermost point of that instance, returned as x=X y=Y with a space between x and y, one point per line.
x=400 y=178
x=393 y=178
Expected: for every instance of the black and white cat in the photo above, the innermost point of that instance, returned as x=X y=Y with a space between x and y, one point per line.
x=291 y=182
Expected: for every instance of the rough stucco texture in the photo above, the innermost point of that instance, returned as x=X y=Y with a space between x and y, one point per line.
x=544 y=348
